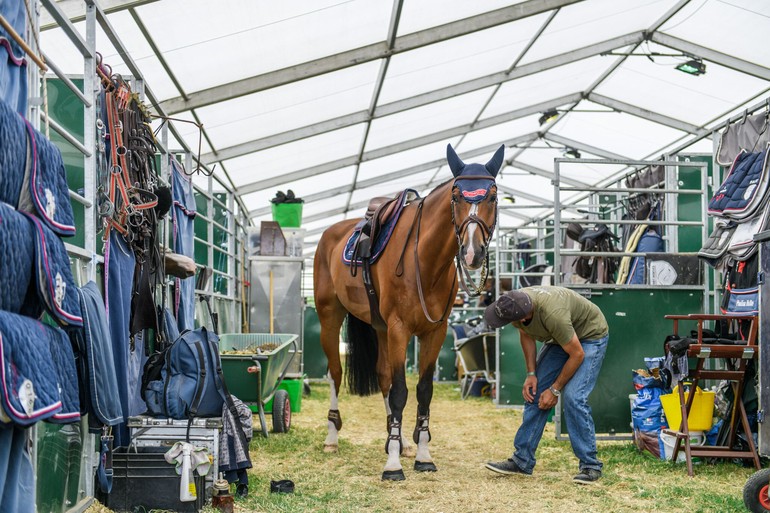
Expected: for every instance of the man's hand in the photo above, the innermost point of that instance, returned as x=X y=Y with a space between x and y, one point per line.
x=530 y=388
x=547 y=400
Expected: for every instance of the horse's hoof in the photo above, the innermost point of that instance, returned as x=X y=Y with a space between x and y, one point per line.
x=425 y=466
x=393 y=475
x=330 y=447
x=409 y=451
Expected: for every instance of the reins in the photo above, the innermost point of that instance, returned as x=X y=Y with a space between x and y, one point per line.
x=459 y=231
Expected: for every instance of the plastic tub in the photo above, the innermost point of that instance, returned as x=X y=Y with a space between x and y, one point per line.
x=701 y=416
x=287 y=215
x=696 y=438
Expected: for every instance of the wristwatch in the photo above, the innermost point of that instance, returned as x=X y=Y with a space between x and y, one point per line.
x=555 y=392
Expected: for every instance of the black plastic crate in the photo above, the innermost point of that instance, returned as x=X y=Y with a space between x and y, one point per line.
x=144 y=480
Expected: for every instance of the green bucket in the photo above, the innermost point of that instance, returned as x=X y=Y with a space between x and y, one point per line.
x=287 y=215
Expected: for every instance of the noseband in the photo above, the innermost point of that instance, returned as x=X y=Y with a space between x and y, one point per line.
x=486 y=235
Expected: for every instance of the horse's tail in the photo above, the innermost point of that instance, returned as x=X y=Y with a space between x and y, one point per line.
x=362 y=357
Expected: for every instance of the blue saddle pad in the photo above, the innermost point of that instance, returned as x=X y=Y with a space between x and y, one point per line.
x=386 y=230
x=35 y=273
x=37 y=372
x=32 y=174
x=53 y=282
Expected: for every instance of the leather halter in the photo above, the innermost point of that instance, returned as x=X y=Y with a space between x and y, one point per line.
x=486 y=235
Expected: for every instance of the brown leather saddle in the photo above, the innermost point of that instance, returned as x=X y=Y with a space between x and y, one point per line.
x=380 y=211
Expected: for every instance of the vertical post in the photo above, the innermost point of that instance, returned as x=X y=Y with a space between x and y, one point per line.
x=556 y=228
x=704 y=236
x=232 y=268
x=90 y=90
x=210 y=245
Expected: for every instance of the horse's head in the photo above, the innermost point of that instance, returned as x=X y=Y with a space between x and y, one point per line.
x=474 y=205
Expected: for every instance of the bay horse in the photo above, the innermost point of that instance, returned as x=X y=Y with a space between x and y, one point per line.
x=454 y=222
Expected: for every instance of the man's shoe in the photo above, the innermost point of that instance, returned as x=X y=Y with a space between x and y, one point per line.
x=587 y=476
x=506 y=467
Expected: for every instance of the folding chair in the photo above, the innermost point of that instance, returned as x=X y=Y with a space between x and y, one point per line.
x=478 y=358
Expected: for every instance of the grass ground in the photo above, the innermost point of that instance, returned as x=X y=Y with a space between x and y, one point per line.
x=466 y=434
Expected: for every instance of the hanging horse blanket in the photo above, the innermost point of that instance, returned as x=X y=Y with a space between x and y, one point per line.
x=38 y=380
x=13 y=64
x=32 y=174
x=383 y=235
x=35 y=273
x=744 y=189
x=715 y=248
x=96 y=365
x=749 y=134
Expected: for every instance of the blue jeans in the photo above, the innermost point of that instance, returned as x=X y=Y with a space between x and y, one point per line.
x=574 y=400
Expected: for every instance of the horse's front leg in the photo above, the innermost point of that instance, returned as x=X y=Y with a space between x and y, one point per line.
x=385 y=378
x=430 y=346
x=396 y=399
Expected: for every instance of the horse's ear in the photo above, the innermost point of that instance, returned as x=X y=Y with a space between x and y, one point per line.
x=455 y=164
x=496 y=162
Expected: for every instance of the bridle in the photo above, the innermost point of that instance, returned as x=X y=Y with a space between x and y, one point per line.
x=486 y=232
x=486 y=235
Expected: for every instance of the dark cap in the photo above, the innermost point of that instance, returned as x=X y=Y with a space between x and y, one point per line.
x=511 y=306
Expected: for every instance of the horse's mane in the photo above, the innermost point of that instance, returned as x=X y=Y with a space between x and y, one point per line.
x=440 y=186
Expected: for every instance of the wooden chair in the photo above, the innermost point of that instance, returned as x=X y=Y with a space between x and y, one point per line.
x=736 y=356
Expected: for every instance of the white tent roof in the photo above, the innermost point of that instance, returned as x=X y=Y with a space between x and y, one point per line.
x=342 y=100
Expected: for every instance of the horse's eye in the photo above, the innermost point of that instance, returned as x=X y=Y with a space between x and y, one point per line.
x=492 y=198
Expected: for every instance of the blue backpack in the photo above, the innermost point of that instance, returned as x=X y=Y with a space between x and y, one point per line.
x=185 y=380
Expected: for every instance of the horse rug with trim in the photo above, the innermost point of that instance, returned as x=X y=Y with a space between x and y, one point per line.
x=35 y=274
x=32 y=174
x=37 y=373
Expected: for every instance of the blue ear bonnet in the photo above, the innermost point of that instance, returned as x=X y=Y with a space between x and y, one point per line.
x=474 y=190
x=476 y=187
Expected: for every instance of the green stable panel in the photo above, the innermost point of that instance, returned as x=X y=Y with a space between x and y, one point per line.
x=638 y=327
x=689 y=205
x=637 y=330
x=58 y=480
x=313 y=355
x=446 y=365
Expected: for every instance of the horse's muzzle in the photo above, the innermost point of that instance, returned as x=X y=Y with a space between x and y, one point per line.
x=473 y=256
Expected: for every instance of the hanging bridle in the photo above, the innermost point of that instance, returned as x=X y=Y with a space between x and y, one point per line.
x=486 y=235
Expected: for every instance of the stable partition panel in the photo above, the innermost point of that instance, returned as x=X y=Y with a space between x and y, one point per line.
x=637 y=330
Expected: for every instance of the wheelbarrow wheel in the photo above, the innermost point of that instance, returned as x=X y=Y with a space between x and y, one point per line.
x=755 y=492
x=281 y=412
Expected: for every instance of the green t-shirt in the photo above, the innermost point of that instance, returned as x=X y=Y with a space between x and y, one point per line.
x=558 y=313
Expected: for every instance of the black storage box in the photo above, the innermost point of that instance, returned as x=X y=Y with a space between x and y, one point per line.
x=143 y=481
x=673 y=269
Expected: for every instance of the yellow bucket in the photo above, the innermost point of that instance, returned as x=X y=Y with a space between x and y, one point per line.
x=701 y=415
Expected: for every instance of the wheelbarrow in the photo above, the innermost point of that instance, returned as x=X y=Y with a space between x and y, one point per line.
x=254 y=364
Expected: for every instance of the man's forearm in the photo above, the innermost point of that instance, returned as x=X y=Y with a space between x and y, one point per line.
x=569 y=369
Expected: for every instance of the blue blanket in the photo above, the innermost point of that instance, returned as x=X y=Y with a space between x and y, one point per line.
x=96 y=366
x=32 y=174
x=35 y=273
x=37 y=372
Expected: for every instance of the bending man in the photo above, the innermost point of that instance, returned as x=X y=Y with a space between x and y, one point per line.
x=575 y=333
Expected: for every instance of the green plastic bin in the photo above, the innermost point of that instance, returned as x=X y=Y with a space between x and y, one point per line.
x=287 y=215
